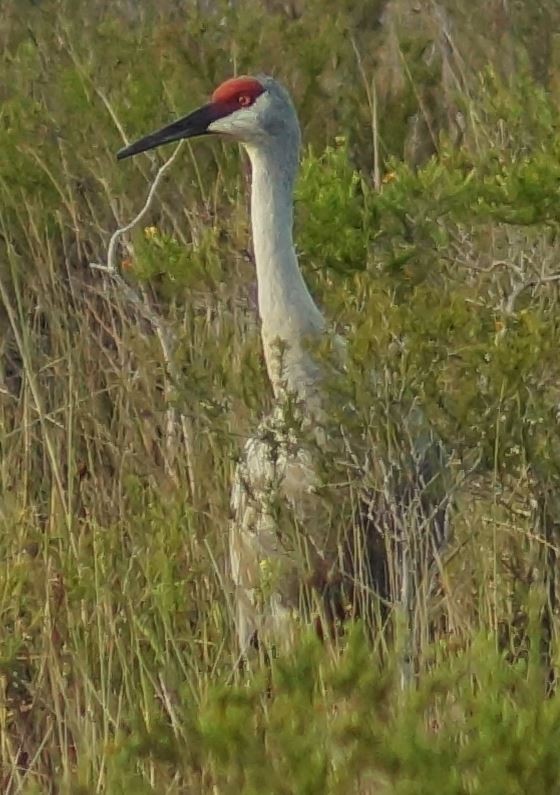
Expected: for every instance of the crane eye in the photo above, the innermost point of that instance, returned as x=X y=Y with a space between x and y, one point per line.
x=244 y=100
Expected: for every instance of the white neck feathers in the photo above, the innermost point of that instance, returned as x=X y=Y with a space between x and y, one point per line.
x=287 y=311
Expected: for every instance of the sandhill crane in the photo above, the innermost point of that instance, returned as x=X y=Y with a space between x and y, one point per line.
x=267 y=565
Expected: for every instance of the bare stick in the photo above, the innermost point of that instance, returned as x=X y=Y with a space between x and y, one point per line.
x=164 y=333
x=371 y=95
x=508 y=306
x=136 y=220
x=534 y=282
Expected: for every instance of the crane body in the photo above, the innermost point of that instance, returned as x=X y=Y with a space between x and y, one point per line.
x=267 y=566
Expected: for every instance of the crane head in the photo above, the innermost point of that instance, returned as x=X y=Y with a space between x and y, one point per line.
x=251 y=110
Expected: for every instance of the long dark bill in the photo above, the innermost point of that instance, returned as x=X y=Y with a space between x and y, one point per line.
x=195 y=123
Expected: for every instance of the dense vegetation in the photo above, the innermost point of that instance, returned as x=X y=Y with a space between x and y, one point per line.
x=428 y=223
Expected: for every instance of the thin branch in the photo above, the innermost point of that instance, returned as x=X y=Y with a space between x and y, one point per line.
x=136 y=220
x=163 y=332
x=371 y=95
x=509 y=307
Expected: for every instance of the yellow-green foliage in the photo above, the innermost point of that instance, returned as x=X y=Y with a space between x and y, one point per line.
x=427 y=214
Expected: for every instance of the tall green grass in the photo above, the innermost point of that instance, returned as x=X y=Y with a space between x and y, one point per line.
x=427 y=224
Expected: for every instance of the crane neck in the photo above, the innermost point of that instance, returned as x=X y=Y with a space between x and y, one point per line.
x=287 y=311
